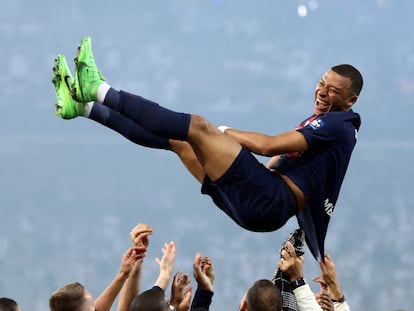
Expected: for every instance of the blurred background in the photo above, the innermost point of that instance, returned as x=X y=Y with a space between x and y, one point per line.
x=71 y=191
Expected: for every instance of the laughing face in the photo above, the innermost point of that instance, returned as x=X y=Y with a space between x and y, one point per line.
x=333 y=93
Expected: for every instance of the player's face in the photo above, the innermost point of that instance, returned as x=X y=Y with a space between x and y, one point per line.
x=333 y=93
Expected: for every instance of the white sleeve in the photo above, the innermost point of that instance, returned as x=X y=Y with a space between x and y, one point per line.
x=341 y=306
x=306 y=299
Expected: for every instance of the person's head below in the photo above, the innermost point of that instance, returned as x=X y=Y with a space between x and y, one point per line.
x=263 y=295
x=151 y=300
x=71 y=297
x=8 y=304
x=338 y=89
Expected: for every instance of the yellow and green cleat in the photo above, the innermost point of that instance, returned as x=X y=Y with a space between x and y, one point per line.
x=87 y=76
x=66 y=106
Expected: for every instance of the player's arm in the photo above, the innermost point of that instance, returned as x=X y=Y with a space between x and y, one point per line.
x=267 y=145
x=105 y=300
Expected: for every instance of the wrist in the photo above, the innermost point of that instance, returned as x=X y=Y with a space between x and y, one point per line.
x=297 y=283
x=294 y=276
x=223 y=128
x=340 y=300
x=122 y=275
x=336 y=292
x=206 y=286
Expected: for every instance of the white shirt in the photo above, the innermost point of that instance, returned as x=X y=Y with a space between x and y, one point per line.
x=306 y=300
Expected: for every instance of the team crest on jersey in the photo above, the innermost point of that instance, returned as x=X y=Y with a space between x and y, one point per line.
x=316 y=124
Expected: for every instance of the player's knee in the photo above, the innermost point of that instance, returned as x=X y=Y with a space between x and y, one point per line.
x=201 y=125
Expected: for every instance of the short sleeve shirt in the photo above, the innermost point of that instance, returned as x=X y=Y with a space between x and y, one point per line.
x=320 y=170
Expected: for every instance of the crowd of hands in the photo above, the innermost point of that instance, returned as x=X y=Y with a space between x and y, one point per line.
x=181 y=289
x=126 y=283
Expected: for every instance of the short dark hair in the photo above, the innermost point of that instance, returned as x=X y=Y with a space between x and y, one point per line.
x=69 y=297
x=353 y=74
x=150 y=300
x=263 y=295
x=7 y=304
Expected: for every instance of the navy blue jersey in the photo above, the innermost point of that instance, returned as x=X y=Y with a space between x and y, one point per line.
x=320 y=170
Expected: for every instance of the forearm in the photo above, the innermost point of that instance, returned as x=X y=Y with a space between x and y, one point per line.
x=253 y=141
x=130 y=289
x=166 y=264
x=163 y=280
x=269 y=145
x=335 y=290
x=202 y=300
x=107 y=298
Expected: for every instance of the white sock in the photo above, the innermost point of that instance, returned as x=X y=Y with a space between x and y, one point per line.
x=88 y=107
x=102 y=91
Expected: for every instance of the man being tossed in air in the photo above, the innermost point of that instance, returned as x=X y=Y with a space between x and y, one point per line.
x=303 y=177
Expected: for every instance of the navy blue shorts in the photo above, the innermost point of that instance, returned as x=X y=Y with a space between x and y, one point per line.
x=254 y=197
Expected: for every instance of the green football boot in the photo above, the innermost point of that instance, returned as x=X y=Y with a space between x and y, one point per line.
x=66 y=106
x=87 y=76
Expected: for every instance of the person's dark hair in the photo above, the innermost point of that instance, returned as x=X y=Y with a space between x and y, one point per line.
x=352 y=73
x=69 y=297
x=7 y=304
x=151 y=300
x=263 y=295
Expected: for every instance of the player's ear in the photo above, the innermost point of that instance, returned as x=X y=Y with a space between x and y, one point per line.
x=243 y=305
x=351 y=101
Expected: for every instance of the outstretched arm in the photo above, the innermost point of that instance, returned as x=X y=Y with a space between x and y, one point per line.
x=204 y=274
x=166 y=265
x=140 y=238
x=267 y=145
x=131 y=288
x=106 y=299
x=292 y=266
x=330 y=278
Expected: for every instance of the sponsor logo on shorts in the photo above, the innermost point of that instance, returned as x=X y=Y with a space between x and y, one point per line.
x=329 y=207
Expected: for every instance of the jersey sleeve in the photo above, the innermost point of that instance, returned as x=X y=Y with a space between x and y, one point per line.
x=324 y=130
